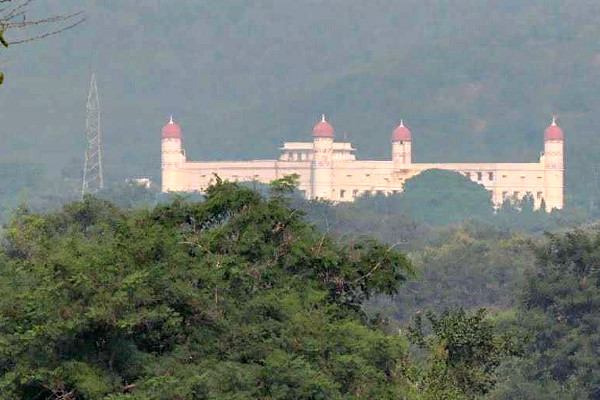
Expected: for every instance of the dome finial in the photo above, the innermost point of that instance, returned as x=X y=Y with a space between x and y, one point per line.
x=323 y=128
x=553 y=119
x=171 y=120
x=401 y=121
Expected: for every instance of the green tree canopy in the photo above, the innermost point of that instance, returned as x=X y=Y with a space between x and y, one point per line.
x=464 y=351
x=559 y=310
x=435 y=197
x=234 y=297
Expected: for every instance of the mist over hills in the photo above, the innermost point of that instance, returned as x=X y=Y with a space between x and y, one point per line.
x=473 y=81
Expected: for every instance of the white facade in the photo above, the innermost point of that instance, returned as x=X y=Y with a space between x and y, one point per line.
x=329 y=170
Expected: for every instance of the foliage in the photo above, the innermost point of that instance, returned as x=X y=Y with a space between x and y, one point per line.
x=439 y=198
x=130 y=195
x=471 y=266
x=284 y=186
x=435 y=197
x=464 y=352
x=559 y=310
x=235 y=297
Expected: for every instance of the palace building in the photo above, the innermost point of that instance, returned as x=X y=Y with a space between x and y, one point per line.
x=329 y=170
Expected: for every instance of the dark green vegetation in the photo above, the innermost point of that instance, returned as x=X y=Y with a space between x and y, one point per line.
x=474 y=81
x=434 y=197
x=234 y=297
x=237 y=297
x=464 y=351
x=559 y=309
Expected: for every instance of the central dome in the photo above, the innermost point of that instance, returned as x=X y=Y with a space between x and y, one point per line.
x=323 y=129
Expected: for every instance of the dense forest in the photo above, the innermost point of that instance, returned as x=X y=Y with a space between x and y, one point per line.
x=255 y=293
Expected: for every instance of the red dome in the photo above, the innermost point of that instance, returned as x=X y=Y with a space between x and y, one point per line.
x=401 y=133
x=323 y=129
x=171 y=130
x=554 y=132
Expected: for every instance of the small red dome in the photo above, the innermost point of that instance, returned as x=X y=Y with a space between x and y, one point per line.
x=323 y=129
x=554 y=132
x=401 y=133
x=171 y=130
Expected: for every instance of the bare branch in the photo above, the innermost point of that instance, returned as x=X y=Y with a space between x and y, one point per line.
x=47 y=34
x=16 y=10
x=13 y=16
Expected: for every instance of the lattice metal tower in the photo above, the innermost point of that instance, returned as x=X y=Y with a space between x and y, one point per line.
x=92 y=170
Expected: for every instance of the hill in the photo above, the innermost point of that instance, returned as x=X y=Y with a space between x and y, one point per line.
x=241 y=78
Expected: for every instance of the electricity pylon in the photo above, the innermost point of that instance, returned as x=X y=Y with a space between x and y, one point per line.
x=92 y=170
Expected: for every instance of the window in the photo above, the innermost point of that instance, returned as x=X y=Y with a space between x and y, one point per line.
x=468 y=175
x=516 y=194
x=491 y=176
x=342 y=193
x=504 y=194
x=479 y=176
x=539 y=195
x=355 y=193
x=379 y=192
x=504 y=176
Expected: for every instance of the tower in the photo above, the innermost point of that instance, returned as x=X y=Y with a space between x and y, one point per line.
x=321 y=168
x=93 y=179
x=401 y=146
x=554 y=166
x=172 y=157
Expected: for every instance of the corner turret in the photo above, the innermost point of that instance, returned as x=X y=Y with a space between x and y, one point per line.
x=554 y=165
x=401 y=146
x=321 y=174
x=172 y=156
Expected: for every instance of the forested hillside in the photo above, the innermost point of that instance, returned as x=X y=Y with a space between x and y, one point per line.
x=241 y=77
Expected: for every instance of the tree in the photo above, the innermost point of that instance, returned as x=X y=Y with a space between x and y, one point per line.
x=436 y=197
x=234 y=297
x=464 y=351
x=559 y=311
x=472 y=266
x=14 y=17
